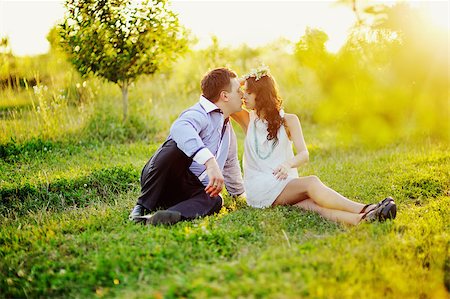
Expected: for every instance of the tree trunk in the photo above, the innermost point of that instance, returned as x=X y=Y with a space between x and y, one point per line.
x=355 y=10
x=124 y=88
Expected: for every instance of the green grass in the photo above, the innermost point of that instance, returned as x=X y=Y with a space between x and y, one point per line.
x=69 y=176
x=64 y=230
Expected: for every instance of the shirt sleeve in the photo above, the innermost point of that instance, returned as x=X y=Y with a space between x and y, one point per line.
x=232 y=171
x=185 y=131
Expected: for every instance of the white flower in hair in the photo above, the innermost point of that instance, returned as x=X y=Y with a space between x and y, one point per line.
x=258 y=73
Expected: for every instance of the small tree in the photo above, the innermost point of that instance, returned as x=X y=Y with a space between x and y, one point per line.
x=120 y=40
x=310 y=50
x=7 y=65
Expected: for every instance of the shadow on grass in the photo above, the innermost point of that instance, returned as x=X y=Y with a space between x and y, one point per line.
x=62 y=192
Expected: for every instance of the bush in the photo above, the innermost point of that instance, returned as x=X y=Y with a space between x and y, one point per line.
x=110 y=128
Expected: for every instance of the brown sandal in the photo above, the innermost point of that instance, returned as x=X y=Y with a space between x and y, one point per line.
x=384 y=201
x=384 y=210
x=365 y=207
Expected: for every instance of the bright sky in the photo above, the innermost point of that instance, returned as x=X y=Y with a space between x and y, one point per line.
x=27 y=23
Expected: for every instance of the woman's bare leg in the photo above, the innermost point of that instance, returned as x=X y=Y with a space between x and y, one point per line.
x=330 y=214
x=311 y=187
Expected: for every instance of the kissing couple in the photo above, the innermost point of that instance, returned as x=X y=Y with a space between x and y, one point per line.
x=185 y=176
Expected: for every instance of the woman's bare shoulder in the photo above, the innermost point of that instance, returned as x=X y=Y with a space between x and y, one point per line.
x=291 y=118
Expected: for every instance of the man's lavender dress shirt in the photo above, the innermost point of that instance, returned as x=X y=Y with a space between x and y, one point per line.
x=197 y=132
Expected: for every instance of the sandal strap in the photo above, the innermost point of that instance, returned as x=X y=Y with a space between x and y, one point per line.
x=365 y=207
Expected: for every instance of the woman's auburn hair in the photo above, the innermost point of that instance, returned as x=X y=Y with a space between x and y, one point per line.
x=267 y=103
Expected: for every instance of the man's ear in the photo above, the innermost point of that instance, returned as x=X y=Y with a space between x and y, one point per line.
x=224 y=95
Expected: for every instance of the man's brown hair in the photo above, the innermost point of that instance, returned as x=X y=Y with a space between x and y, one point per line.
x=215 y=82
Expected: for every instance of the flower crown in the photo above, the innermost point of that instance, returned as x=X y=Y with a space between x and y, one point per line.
x=258 y=73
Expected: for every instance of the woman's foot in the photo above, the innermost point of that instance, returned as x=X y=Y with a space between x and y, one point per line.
x=385 y=209
x=371 y=206
x=367 y=208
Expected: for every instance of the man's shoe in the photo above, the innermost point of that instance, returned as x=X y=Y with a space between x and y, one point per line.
x=164 y=217
x=137 y=214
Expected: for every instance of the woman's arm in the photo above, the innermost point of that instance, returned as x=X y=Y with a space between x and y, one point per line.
x=242 y=118
x=302 y=157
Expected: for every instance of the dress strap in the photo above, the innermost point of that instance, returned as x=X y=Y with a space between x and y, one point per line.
x=282 y=113
x=252 y=115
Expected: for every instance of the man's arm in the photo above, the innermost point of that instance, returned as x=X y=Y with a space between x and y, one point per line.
x=232 y=171
x=185 y=131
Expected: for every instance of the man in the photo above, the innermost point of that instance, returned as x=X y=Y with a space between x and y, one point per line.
x=184 y=177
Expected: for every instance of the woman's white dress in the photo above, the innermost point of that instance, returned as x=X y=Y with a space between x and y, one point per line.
x=260 y=159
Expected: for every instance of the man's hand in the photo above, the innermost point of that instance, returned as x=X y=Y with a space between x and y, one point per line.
x=215 y=176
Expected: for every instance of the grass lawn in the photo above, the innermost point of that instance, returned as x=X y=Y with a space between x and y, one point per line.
x=64 y=230
x=375 y=116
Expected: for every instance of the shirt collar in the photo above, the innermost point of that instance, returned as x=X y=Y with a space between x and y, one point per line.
x=208 y=105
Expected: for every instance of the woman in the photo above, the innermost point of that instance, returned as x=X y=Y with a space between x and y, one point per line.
x=270 y=174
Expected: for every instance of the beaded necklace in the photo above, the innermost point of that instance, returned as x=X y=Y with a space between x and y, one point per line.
x=256 y=144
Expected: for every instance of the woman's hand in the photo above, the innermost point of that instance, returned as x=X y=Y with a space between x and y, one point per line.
x=281 y=172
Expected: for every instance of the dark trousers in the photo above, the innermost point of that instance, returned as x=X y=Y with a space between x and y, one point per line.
x=167 y=183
